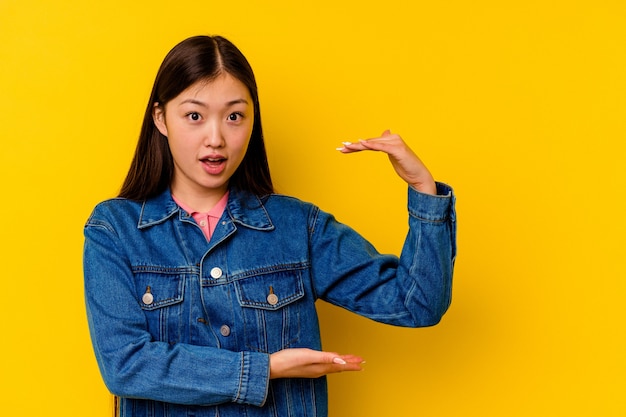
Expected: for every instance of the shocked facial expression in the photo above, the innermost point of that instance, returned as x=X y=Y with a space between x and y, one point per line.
x=208 y=127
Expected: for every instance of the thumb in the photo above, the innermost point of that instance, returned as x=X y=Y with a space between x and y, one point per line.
x=332 y=357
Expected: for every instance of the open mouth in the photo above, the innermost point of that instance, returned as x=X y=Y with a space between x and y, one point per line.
x=214 y=166
x=213 y=161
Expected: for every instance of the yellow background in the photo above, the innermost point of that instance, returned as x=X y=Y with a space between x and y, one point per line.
x=520 y=105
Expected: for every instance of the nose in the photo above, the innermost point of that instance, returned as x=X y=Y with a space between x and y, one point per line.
x=213 y=137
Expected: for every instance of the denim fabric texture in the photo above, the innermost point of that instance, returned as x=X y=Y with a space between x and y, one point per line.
x=182 y=326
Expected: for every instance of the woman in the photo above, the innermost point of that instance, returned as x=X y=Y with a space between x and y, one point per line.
x=200 y=281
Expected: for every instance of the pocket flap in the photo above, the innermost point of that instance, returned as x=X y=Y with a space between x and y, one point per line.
x=270 y=291
x=160 y=290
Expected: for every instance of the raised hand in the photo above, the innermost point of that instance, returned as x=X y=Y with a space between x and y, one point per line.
x=405 y=162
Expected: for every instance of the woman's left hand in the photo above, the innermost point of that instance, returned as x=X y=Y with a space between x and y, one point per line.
x=406 y=163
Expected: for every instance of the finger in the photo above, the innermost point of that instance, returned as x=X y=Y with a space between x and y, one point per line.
x=350 y=147
x=386 y=136
x=381 y=145
x=348 y=362
x=384 y=143
x=333 y=358
x=331 y=362
x=335 y=368
x=322 y=357
x=362 y=144
x=337 y=359
x=316 y=371
x=352 y=359
x=354 y=365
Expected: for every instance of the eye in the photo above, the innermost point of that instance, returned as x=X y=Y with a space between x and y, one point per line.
x=233 y=117
x=194 y=116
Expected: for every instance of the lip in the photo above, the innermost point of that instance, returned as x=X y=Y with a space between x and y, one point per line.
x=213 y=156
x=213 y=164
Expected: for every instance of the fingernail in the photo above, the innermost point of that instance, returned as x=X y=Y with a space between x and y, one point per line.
x=339 y=361
x=340 y=149
x=347 y=143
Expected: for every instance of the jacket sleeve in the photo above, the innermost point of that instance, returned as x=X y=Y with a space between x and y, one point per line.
x=412 y=290
x=134 y=366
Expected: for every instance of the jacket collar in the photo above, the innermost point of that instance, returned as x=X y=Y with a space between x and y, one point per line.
x=243 y=207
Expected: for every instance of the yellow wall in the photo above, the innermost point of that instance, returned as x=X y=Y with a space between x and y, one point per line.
x=519 y=105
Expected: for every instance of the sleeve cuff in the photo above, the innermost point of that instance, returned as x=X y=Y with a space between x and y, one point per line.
x=434 y=208
x=254 y=380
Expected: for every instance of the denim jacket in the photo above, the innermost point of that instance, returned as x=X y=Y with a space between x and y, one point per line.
x=182 y=326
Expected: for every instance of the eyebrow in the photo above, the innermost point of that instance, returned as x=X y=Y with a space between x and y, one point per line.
x=203 y=104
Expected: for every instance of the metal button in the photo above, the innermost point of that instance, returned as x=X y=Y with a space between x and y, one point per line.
x=216 y=272
x=272 y=299
x=225 y=330
x=148 y=298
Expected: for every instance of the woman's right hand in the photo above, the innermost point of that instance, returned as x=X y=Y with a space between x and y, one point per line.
x=309 y=363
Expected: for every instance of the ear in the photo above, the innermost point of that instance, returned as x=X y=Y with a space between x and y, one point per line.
x=158 y=115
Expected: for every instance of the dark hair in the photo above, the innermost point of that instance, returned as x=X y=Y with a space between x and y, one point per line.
x=194 y=59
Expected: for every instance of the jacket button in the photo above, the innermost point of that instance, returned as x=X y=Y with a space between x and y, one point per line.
x=216 y=273
x=272 y=299
x=225 y=330
x=147 y=298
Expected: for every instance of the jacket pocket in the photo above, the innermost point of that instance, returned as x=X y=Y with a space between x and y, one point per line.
x=160 y=296
x=270 y=308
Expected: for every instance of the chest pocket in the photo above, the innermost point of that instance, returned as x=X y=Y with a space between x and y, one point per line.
x=270 y=308
x=161 y=298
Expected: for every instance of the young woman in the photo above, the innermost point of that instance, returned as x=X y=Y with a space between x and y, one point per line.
x=201 y=282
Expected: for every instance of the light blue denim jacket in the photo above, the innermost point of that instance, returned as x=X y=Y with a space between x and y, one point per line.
x=182 y=326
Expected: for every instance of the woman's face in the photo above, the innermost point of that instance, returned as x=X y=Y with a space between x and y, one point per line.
x=208 y=127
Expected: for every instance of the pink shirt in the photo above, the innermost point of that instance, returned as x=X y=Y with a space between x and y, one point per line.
x=207 y=220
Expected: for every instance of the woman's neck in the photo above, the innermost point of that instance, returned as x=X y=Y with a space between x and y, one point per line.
x=201 y=202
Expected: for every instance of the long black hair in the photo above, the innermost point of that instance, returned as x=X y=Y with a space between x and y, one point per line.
x=194 y=59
